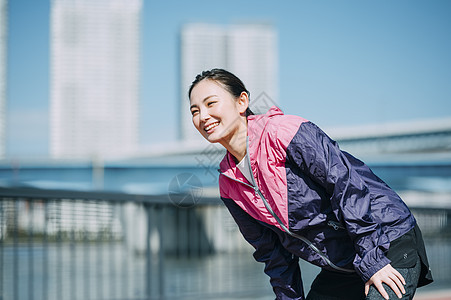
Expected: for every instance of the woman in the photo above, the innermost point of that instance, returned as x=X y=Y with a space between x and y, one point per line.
x=294 y=193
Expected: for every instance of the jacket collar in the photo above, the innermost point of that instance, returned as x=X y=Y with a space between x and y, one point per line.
x=255 y=126
x=257 y=123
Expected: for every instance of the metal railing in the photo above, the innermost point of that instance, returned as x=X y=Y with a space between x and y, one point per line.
x=88 y=245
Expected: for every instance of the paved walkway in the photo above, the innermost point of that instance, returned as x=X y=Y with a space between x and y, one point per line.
x=428 y=295
x=443 y=294
x=434 y=295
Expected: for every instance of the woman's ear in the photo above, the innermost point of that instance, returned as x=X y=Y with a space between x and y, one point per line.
x=243 y=102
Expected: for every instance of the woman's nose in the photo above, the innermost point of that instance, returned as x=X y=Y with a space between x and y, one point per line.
x=204 y=115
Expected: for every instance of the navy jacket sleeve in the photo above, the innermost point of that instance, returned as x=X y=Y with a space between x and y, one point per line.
x=335 y=171
x=280 y=265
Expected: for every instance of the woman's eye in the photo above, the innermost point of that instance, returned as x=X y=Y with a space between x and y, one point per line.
x=194 y=111
x=211 y=103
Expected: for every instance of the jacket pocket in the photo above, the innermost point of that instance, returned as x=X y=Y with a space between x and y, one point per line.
x=403 y=252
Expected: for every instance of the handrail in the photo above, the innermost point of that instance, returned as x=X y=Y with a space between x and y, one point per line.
x=29 y=192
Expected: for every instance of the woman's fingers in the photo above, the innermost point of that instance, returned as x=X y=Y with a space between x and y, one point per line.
x=396 y=281
x=381 y=289
x=367 y=288
x=398 y=275
x=395 y=285
x=391 y=277
x=399 y=281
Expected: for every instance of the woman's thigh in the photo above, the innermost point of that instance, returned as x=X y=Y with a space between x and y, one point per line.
x=336 y=286
x=333 y=286
x=411 y=276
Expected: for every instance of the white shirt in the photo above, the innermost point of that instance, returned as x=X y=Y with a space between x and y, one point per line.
x=245 y=168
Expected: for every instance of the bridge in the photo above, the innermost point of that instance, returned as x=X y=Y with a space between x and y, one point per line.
x=418 y=137
x=401 y=141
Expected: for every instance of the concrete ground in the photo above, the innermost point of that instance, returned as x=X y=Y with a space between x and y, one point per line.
x=428 y=295
x=434 y=295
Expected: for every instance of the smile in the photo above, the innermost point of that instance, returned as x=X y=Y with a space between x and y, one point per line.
x=211 y=126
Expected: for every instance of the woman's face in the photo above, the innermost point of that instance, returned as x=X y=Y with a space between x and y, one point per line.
x=217 y=115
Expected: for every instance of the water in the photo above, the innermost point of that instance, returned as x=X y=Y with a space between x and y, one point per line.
x=110 y=271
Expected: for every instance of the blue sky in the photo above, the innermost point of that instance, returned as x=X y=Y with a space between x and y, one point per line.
x=341 y=63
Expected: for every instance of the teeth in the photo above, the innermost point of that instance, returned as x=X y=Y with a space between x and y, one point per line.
x=211 y=126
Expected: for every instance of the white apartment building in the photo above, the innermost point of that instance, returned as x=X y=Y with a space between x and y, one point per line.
x=94 y=77
x=3 y=66
x=247 y=50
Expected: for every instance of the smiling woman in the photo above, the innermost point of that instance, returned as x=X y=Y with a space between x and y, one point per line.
x=220 y=106
x=294 y=194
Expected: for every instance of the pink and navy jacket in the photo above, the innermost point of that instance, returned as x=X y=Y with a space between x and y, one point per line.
x=309 y=199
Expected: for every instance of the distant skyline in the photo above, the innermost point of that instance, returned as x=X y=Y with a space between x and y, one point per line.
x=341 y=63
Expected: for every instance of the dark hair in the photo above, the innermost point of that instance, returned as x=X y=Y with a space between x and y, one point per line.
x=229 y=81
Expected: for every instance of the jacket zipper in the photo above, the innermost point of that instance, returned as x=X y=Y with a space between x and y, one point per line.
x=335 y=225
x=300 y=237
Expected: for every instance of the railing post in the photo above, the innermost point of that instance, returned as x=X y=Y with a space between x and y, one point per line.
x=16 y=250
x=161 y=251
x=148 y=209
x=2 y=238
x=30 y=246
x=45 y=270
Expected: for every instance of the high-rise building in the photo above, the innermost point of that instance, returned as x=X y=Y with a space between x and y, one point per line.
x=3 y=64
x=253 y=57
x=247 y=50
x=94 y=77
x=203 y=46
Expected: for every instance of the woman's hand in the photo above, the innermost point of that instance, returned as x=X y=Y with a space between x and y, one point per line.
x=391 y=277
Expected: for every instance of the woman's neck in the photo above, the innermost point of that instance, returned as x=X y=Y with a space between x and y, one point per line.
x=236 y=145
